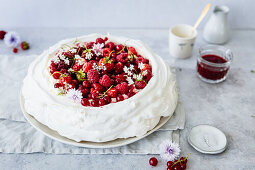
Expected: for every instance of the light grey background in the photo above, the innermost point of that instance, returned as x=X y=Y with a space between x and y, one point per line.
x=117 y=13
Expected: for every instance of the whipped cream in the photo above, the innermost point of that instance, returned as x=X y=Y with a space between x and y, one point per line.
x=132 y=117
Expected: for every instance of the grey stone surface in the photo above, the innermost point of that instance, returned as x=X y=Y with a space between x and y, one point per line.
x=229 y=105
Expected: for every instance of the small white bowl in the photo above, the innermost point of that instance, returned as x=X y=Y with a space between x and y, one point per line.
x=207 y=139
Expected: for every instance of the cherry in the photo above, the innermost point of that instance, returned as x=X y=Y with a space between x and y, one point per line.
x=95 y=103
x=101 y=102
x=110 y=45
x=106 y=52
x=94 y=95
x=118 y=47
x=85 y=102
x=120 y=98
x=107 y=99
x=153 y=161
x=112 y=92
x=86 y=84
x=84 y=91
x=89 y=96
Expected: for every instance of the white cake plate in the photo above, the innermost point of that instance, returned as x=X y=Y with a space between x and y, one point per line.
x=110 y=144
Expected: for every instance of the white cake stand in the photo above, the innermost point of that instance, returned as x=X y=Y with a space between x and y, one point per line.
x=110 y=144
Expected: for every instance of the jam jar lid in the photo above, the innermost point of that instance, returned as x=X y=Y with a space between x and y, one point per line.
x=207 y=139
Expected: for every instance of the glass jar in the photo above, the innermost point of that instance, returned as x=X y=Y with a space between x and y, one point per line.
x=213 y=63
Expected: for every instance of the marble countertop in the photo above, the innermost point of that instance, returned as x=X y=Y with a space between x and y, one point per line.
x=228 y=105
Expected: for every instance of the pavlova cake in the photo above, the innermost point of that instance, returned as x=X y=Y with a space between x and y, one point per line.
x=99 y=88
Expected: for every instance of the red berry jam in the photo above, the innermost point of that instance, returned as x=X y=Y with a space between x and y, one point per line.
x=213 y=68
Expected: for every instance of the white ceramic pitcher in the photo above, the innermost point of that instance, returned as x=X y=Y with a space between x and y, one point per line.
x=216 y=30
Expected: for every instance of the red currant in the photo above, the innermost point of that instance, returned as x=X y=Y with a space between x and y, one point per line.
x=169 y=163
x=95 y=103
x=101 y=102
x=85 y=102
x=153 y=161
x=86 y=84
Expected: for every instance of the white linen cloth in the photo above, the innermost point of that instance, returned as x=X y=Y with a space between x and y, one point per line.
x=18 y=136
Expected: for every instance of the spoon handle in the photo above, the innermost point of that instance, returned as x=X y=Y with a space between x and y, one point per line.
x=201 y=17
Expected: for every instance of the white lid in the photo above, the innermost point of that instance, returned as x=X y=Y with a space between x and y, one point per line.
x=207 y=139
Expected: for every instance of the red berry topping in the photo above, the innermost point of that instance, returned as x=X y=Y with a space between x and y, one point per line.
x=97 y=87
x=94 y=95
x=119 y=78
x=84 y=92
x=119 y=47
x=120 y=98
x=110 y=45
x=93 y=76
x=153 y=161
x=106 y=52
x=15 y=50
x=140 y=84
x=101 y=102
x=2 y=34
x=107 y=99
x=147 y=75
x=105 y=81
x=132 y=50
x=85 y=102
x=95 y=102
x=118 y=68
x=99 y=40
x=123 y=58
x=86 y=84
x=24 y=45
x=63 y=71
x=87 y=66
x=56 y=75
x=77 y=67
x=169 y=163
x=112 y=93
x=122 y=88
x=57 y=85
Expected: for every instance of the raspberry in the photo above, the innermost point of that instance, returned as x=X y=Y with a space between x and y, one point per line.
x=112 y=92
x=15 y=50
x=122 y=88
x=140 y=84
x=118 y=68
x=85 y=102
x=132 y=50
x=77 y=67
x=123 y=58
x=89 y=45
x=2 y=34
x=24 y=45
x=105 y=81
x=99 y=40
x=119 y=78
x=87 y=66
x=147 y=75
x=93 y=76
